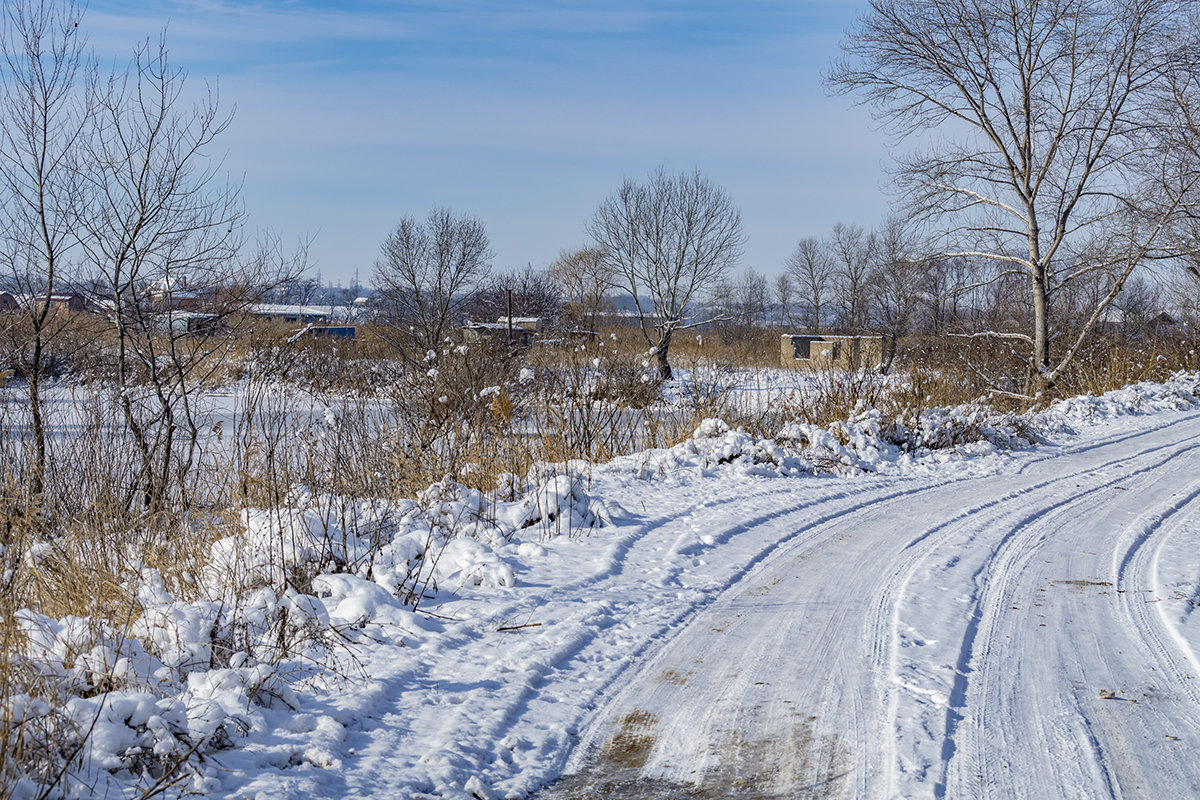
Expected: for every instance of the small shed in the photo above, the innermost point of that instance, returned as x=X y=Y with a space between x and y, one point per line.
x=332 y=331
x=498 y=331
x=292 y=313
x=531 y=324
x=799 y=351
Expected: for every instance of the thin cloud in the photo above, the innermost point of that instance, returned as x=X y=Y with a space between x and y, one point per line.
x=525 y=113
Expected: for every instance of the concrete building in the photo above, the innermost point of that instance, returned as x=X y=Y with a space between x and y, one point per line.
x=799 y=351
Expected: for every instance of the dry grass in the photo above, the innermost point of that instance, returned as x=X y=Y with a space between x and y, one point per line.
x=1108 y=365
x=735 y=347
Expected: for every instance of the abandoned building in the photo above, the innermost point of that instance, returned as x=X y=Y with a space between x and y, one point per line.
x=821 y=352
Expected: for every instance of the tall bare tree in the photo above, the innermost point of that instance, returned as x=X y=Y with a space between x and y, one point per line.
x=586 y=279
x=161 y=229
x=719 y=306
x=1184 y=104
x=952 y=286
x=45 y=108
x=526 y=292
x=811 y=267
x=785 y=292
x=672 y=238
x=427 y=272
x=752 y=299
x=1051 y=129
x=853 y=251
x=896 y=286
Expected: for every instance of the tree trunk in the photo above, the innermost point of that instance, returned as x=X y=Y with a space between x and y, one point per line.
x=1040 y=360
x=664 y=344
x=889 y=353
x=38 y=483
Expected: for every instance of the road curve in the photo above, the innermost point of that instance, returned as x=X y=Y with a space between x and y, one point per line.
x=992 y=637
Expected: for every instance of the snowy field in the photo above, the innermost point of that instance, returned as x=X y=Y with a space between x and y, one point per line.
x=816 y=615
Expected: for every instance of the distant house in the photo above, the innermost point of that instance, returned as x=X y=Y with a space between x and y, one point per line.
x=332 y=331
x=1116 y=321
x=359 y=309
x=520 y=330
x=61 y=301
x=531 y=324
x=173 y=294
x=292 y=314
x=496 y=331
x=8 y=302
x=177 y=322
x=1163 y=324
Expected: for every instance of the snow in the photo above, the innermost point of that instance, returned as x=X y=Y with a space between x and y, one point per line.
x=938 y=610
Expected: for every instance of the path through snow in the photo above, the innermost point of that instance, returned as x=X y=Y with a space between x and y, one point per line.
x=1017 y=635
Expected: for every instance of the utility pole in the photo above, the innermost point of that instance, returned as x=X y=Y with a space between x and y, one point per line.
x=508 y=303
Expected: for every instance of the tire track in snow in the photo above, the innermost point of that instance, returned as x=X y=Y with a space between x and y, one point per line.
x=1137 y=575
x=1043 y=454
x=992 y=596
x=1110 y=758
x=888 y=602
x=814 y=532
x=520 y=678
x=992 y=581
x=526 y=670
x=807 y=530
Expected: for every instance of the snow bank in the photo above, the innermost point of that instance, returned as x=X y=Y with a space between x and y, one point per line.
x=1181 y=391
x=864 y=442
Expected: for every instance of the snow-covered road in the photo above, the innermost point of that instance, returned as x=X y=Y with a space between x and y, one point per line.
x=1023 y=634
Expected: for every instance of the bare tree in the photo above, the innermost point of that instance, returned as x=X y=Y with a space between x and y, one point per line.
x=1138 y=305
x=427 y=272
x=951 y=284
x=1054 y=122
x=752 y=299
x=525 y=293
x=162 y=231
x=1181 y=289
x=811 y=267
x=1183 y=282
x=672 y=238
x=896 y=285
x=785 y=291
x=300 y=290
x=45 y=108
x=719 y=306
x=586 y=278
x=853 y=250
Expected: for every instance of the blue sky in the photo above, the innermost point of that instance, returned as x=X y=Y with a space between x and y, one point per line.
x=526 y=114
